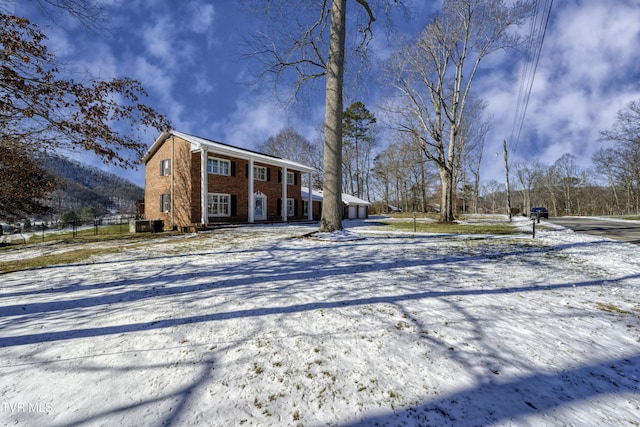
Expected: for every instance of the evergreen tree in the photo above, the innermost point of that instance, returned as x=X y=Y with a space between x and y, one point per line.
x=358 y=139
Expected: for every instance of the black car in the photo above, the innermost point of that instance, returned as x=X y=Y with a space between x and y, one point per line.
x=539 y=212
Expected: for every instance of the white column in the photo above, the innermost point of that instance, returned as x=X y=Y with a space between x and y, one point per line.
x=173 y=183
x=310 y=201
x=252 y=209
x=204 y=188
x=284 y=194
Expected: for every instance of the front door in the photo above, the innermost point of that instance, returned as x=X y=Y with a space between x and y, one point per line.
x=260 y=211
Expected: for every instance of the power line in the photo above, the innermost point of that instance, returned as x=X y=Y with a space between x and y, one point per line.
x=537 y=32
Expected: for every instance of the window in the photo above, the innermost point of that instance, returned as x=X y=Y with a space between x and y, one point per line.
x=305 y=208
x=218 y=166
x=218 y=204
x=165 y=167
x=291 y=178
x=291 y=207
x=260 y=173
x=165 y=203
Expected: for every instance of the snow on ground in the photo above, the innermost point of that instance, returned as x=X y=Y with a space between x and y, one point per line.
x=258 y=326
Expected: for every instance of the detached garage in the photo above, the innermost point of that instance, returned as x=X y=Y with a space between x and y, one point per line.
x=354 y=208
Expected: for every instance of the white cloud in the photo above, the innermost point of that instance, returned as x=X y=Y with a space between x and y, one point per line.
x=256 y=117
x=101 y=63
x=587 y=72
x=161 y=84
x=58 y=41
x=203 y=84
x=587 y=49
x=153 y=76
x=253 y=121
x=158 y=43
x=202 y=16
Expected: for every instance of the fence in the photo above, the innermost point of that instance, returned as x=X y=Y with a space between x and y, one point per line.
x=106 y=225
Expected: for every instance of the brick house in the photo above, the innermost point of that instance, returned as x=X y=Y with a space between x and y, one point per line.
x=192 y=181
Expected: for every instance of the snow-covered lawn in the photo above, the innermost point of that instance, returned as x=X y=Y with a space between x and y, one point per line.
x=257 y=326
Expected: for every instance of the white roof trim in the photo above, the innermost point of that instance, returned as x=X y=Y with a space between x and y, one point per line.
x=352 y=200
x=346 y=198
x=197 y=144
x=315 y=195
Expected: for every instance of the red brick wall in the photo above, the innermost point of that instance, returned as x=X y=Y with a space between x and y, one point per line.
x=156 y=184
x=273 y=190
x=186 y=175
x=238 y=186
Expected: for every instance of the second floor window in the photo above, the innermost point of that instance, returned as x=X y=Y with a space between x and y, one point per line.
x=291 y=178
x=260 y=173
x=165 y=167
x=218 y=166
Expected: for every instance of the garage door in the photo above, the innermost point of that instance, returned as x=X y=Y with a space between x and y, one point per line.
x=353 y=212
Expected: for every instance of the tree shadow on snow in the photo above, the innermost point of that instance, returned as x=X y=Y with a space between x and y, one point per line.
x=493 y=400
x=9 y=341
x=540 y=394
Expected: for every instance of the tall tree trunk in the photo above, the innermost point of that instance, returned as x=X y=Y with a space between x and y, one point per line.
x=446 y=200
x=332 y=208
x=476 y=190
x=423 y=186
x=447 y=173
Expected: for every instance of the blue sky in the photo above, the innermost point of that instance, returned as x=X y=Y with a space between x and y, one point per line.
x=186 y=54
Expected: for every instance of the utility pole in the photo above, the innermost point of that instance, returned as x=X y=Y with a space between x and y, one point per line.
x=506 y=168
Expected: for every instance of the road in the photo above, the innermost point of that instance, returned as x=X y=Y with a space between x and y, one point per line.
x=627 y=231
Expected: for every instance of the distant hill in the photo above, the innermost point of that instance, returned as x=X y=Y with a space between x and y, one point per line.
x=82 y=186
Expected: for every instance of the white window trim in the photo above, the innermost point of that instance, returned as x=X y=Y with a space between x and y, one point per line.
x=219 y=161
x=210 y=204
x=260 y=173
x=290 y=178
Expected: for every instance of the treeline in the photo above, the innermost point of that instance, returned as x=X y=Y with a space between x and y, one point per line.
x=564 y=188
x=82 y=187
x=401 y=175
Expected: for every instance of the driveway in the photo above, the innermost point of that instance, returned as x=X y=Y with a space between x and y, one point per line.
x=624 y=230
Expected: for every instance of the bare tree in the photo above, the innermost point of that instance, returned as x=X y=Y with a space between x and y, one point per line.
x=527 y=175
x=299 y=47
x=493 y=196
x=549 y=183
x=567 y=171
x=289 y=144
x=391 y=172
x=606 y=161
x=41 y=110
x=625 y=134
x=403 y=177
x=332 y=208
x=89 y=13
x=434 y=76
x=473 y=131
x=626 y=129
